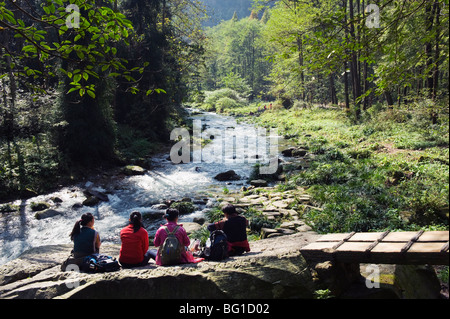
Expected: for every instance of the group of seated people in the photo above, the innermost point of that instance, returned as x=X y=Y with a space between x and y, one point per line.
x=135 y=252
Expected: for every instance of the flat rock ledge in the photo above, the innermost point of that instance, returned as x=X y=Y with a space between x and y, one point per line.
x=274 y=268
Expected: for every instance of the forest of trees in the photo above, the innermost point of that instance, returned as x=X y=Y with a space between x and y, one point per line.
x=91 y=85
x=350 y=53
x=105 y=83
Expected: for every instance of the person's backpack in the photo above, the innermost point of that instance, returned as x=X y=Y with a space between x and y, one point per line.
x=219 y=245
x=72 y=264
x=171 y=249
x=100 y=263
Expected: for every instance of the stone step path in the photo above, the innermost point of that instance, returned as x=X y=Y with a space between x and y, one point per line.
x=275 y=206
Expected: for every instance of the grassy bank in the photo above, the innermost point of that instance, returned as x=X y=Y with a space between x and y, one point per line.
x=390 y=171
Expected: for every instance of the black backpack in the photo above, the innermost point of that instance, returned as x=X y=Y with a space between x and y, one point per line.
x=219 y=245
x=100 y=263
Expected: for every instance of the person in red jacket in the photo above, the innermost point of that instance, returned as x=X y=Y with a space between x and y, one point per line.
x=134 y=251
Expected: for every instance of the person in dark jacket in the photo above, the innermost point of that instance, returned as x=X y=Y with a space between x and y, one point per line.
x=235 y=227
x=85 y=238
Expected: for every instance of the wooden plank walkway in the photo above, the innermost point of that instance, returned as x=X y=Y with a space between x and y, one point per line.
x=381 y=248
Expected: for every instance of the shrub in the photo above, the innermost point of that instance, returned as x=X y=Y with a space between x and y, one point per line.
x=228 y=99
x=214 y=214
x=132 y=145
x=235 y=82
x=202 y=234
x=226 y=103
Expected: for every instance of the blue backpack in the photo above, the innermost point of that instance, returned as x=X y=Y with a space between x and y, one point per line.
x=100 y=263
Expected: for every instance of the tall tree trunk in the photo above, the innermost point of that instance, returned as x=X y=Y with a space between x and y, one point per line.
x=405 y=93
x=346 y=93
x=11 y=111
x=333 y=96
x=8 y=124
x=389 y=99
x=366 y=83
x=163 y=16
x=429 y=16
x=300 y=61
x=354 y=64
x=346 y=88
x=437 y=11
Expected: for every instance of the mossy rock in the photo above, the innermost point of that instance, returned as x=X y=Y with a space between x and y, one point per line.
x=131 y=170
x=36 y=207
x=184 y=207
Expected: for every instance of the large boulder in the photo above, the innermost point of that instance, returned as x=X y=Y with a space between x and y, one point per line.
x=47 y=214
x=191 y=227
x=273 y=269
x=227 y=176
x=94 y=197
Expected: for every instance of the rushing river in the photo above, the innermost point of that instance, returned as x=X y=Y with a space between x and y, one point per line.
x=234 y=150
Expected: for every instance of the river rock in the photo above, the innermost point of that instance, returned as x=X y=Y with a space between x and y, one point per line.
x=160 y=206
x=91 y=201
x=280 y=204
x=285 y=231
x=299 y=152
x=274 y=268
x=287 y=152
x=258 y=183
x=304 y=228
x=184 y=208
x=56 y=200
x=36 y=207
x=153 y=215
x=47 y=213
x=294 y=152
x=304 y=198
x=100 y=195
x=77 y=206
x=199 y=220
x=265 y=232
x=227 y=176
x=130 y=170
x=191 y=227
x=289 y=225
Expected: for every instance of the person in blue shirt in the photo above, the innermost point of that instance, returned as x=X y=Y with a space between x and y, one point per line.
x=85 y=238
